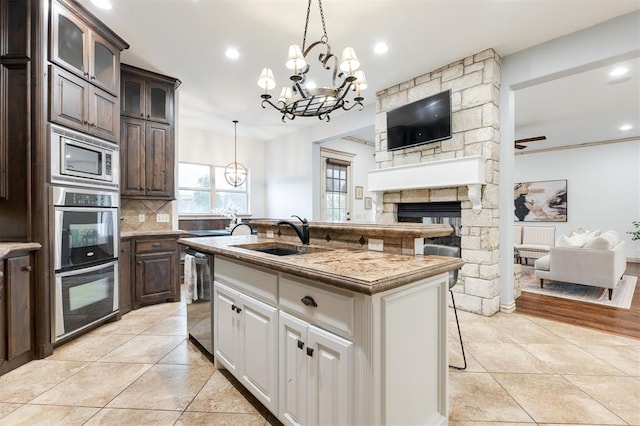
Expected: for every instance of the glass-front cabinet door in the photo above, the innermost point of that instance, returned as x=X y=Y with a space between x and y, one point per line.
x=68 y=41
x=159 y=102
x=79 y=49
x=104 y=63
x=132 y=97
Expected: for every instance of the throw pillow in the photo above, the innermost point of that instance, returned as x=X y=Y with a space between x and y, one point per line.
x=576 y=241
x=602 y=242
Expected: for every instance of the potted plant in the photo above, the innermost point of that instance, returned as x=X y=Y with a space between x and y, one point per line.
x=635 y=235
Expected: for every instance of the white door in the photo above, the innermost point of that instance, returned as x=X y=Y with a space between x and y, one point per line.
x=226 y=324
x=330 y=380
x=293 y=370
x=259 y=328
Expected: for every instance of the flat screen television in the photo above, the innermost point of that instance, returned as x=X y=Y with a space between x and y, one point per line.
x=421 y=122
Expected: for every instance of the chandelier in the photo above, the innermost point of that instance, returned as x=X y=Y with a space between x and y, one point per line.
x=235 y=173
x=305 y=100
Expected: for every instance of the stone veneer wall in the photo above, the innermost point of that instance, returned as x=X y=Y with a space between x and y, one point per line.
x=475 y=93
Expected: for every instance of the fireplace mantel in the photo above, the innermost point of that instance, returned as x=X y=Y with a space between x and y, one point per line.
x=447 y=173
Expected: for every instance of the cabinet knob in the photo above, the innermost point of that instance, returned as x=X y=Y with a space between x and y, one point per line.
x=26 y=268
x=139 y=262
x=148 y=188
x=142 y=115
x=308 y=301
x=310 y=352
x=300 y=344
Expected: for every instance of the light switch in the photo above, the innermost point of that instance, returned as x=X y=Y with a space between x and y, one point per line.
x=141 y=217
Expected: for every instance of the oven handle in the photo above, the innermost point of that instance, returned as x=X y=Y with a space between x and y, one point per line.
x=87 y=269
x=86 y=209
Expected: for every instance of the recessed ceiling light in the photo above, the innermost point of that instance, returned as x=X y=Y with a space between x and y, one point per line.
x=232 y=53
x=619 y=71
x=102 y=4
x=380 y=48
x=625 y=127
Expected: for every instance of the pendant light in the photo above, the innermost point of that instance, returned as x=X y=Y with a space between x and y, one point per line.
x=235 y=173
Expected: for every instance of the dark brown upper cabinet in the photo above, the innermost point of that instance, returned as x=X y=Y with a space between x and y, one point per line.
x=84 y=46
x=147 y=95
x=147 y=152
x=77 y=104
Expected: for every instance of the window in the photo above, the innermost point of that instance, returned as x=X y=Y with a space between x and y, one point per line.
x=198 y=193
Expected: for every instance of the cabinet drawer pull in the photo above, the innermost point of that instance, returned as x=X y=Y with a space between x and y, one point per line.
x=26 y=268
x=238 y=309
x=233 y=307
x=155 y=245
x=308 y=301
x=310 y=352
x=300 y=344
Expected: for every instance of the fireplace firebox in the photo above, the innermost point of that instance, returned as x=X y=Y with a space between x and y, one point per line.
x=448 y=212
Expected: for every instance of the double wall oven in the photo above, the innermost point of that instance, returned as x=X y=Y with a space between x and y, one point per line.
x=85 y=202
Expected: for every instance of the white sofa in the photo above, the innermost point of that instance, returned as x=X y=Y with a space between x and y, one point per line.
x=533 y=242
x=592 y=259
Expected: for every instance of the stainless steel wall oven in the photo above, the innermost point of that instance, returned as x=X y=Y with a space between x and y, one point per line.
x=86 y=239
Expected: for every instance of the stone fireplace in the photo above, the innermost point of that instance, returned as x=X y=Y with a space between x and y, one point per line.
x=462 y=169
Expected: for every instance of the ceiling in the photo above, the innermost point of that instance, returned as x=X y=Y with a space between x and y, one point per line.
x=187 y=39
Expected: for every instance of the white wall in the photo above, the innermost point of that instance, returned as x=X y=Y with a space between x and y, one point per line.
x=363 y=161
x=290 y=167
x=206 y=146
x=603 y=186
x=590 y=48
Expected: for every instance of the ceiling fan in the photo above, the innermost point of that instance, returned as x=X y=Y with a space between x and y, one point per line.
x=518 y=142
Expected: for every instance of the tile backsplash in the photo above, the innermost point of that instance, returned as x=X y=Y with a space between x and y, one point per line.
x=131 y=211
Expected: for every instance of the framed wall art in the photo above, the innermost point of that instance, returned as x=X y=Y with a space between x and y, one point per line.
x=542 y=201
x=367 y=203
x=359 y=192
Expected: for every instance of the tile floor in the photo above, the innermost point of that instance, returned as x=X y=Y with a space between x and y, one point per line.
x=142 y=370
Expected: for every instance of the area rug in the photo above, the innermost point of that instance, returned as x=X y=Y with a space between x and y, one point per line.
x=622 y=294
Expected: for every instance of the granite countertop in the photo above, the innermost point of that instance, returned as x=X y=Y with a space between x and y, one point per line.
x=7 y=248
x=362 y=271
x=151 y=233
x=397 y=229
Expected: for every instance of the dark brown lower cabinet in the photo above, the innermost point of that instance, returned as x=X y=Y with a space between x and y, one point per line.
x=16 y=313
x=153 y=275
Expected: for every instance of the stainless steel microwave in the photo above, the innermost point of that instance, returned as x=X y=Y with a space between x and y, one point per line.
x=79 y=159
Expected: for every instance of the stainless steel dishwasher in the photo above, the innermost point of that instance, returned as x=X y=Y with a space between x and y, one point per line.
x=199 y=311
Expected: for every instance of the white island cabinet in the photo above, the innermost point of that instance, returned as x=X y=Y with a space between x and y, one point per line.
x=315 y=353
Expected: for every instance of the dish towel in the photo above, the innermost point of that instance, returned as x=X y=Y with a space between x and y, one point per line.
x=190 y=278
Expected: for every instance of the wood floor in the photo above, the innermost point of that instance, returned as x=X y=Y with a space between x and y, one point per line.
x=624 y=322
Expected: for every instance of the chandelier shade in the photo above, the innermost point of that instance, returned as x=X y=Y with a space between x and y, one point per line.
x=235 y=173
x=299 y=99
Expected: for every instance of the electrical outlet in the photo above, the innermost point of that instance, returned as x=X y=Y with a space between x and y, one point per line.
x=162 y=217
x=270 y=234
x=376 y=245
x=141 y=217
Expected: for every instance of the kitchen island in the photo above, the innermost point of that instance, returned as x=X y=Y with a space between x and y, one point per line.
x=332 y=335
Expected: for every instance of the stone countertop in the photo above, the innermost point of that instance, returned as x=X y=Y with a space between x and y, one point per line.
x=152 y=233
x=7 y=248
x=398 y=229
x=362 y=271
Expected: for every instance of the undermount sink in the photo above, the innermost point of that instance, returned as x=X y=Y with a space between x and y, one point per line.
x=281 y=249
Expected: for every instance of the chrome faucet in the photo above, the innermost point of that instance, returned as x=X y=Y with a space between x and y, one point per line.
x=302 y=231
